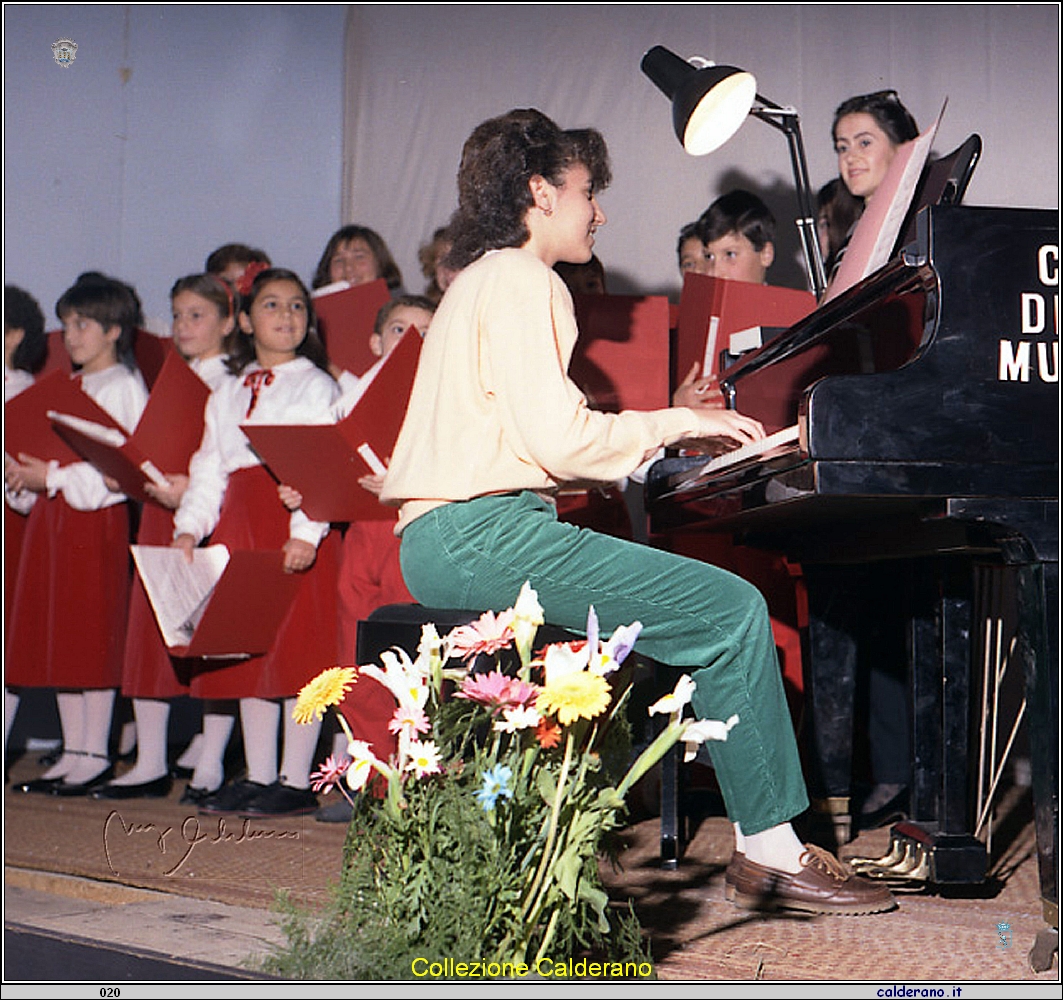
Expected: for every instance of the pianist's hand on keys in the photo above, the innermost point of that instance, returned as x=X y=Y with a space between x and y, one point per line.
x=722 y=430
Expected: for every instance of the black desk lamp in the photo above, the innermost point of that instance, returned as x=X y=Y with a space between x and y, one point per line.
x=709 y=103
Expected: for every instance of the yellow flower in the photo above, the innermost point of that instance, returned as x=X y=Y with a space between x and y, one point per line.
x=330 y=687
x=574 y=696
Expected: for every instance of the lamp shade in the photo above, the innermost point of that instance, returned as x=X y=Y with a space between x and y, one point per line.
x=708 y=105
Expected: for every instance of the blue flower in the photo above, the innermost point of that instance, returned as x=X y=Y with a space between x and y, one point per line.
x=496 y=783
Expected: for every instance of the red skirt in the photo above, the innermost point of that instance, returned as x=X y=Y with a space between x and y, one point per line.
x=68 y=616
x=370 y=577
x=14 y=531
x=148 y=670
x=252 y=517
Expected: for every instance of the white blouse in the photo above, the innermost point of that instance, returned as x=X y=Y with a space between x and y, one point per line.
x=122 y=393
x=299 y=393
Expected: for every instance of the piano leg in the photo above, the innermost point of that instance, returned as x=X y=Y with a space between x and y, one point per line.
x=940 y=662
x=830 y=690
x=1039 y=647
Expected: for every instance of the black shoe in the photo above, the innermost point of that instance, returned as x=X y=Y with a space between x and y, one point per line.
x=193 y=796
x=157 y=788
x=69 y=788
x=281 y=800
x=340 y=811
x=231 y=798
x=41 y=786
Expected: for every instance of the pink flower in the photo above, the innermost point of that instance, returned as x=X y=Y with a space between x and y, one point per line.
x=331 y=771
x=409 y=718
x=488 y=634
x=497 y=691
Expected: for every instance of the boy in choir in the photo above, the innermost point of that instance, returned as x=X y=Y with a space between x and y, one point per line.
x=738 y=233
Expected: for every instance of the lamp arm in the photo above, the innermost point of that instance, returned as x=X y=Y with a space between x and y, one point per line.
x=786 y=120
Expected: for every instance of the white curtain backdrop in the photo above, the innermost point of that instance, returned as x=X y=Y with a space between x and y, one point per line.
x=420 y=77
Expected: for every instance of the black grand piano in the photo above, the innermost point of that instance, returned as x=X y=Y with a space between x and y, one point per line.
x=914 y=423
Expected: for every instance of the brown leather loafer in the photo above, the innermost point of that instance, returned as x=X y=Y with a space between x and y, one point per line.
x=824 y=885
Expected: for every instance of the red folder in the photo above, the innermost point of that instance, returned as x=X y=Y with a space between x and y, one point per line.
x=244 y=611
x=27 y=429
x=167 y=436
x=712 y=309
x=345 y=321
x=322 y=461
x=621 y=358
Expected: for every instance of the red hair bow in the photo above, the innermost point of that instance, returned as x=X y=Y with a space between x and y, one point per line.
x=246 y=280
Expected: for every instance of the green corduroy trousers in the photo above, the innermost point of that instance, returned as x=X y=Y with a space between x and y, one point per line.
x=476 y=554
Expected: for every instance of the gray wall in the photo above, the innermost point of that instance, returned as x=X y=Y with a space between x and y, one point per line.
x=177 y=129
x=182 y=127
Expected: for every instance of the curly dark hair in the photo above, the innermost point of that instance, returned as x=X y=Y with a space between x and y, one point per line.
x=385 y=263
x=242 y=346
x=498 y=161
x=885 y=107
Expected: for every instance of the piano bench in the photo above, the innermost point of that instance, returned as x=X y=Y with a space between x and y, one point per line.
x=400 y=625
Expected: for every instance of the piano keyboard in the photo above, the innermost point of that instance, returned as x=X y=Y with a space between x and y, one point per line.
x=745 y=453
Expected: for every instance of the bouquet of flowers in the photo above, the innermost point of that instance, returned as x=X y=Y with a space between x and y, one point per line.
x=485 y=840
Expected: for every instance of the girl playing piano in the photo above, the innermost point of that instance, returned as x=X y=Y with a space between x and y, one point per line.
x=494 y=425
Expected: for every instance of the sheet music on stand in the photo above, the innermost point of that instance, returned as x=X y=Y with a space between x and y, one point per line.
x=876 y=232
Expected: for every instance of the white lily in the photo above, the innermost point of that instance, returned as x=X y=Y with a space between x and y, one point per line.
x=674 y=703
x=560 y=660
x=697 y=731
x=407 y=684
x=363 y=761
x=527 y=617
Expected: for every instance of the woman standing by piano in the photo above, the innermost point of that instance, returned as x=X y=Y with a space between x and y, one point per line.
x=867 y=130
x=494 y=425
x=854 y=611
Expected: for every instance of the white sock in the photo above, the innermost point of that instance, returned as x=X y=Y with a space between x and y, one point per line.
x=98 y=708
x=190 y=755
x=300 y=744
x=213 y=742
x=127 y=737
x=740 y=840
x=152 y=722
x=260 y=720
x=72 y=723
x=776 y=848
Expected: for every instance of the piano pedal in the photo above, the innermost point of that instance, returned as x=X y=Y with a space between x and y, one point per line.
x=888 y=860
x=907 y=861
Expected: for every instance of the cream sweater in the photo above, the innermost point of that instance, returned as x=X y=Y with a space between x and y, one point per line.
x=492 y=408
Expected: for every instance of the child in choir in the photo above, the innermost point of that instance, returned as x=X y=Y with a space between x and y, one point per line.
x=279 y=374
x=68 y=619
x=357 y=255
x=25 y=351
x=737 y=237
x=691 y=250
x=738 y=231
x=229 y=262
x=432 y=257
x=203 y=319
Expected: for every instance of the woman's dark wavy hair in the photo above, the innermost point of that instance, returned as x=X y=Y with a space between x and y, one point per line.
x=242 y=348
x=22 y=312
x=109 y=302
x=385 y=263
x=497 y=162
x=885 y=107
